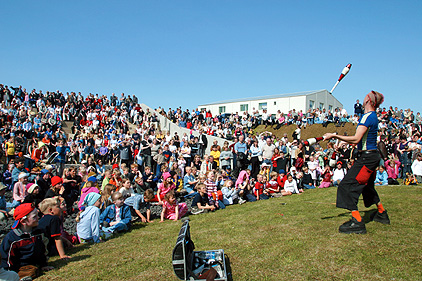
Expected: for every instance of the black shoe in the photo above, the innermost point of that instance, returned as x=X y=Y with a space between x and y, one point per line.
x=353 y=226
x=380 y=217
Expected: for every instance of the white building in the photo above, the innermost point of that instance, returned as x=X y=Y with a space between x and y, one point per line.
x=283 y=102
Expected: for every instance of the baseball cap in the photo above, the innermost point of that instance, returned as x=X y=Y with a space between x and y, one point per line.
x=21 y=212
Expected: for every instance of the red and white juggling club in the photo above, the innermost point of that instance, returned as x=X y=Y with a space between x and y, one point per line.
x=311 y=141
x=343 y=73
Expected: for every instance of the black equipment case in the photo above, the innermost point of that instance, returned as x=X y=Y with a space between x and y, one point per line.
x=189 y=264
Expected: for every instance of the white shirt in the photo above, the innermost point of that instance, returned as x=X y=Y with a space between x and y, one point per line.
x=417 y=167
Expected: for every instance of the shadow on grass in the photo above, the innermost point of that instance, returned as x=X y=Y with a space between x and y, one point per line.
x=366 y=215
x=339 y=215
x=138 y=225
x=59 y=263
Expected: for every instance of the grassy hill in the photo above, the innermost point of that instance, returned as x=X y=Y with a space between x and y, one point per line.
x=316 y=130
x=289 y=238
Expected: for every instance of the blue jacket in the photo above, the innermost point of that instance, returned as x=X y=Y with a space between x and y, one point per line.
x=109 y=214
x=19 y=249
x=382 y=177
x=88 y=226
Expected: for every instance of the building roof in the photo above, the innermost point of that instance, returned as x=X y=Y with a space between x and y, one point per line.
x=269 y=97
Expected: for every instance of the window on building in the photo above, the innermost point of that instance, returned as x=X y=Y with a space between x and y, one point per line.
x=311 y=104
x=262 y=106
x=243 y=107
x=321 y=106
x=222 y=109
x=203 y=109
x=330 y=107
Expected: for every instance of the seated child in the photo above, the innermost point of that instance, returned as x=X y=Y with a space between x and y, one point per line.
x=3 y=210
x=338 y=173
x=229 y=193
x=299 y=177
x=307 y=181
x=261 y=193
x=106 y=196
x=200 y=201
x=290 y=186
x=90 y=186
x=171 y=209
x=326 y=177
x=56 y=188
x=28 y=256
x=50 y=224
x=148 y=178
x=189 y=180
x=126 y=190
x=116 y=217
x=410 y=179
x=211 y=188
x=381 y=177
x=88 y=227
x=19 y=190
x=140 y=201
x=272 y=186
x=164 y=187
x=34 y=196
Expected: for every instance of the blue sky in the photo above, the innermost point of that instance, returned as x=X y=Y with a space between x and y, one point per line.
x=186 y=53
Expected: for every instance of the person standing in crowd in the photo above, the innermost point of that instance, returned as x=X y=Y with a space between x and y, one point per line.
x=360 y=178
x=358 y=108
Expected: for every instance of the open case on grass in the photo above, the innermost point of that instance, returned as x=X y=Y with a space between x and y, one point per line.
x=192 y=265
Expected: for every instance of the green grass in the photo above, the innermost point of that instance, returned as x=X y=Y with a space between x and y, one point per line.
x=267 y=240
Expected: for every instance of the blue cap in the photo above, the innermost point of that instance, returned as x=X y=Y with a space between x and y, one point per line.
x=44 y=171
x=93 y=179
x=281 y=171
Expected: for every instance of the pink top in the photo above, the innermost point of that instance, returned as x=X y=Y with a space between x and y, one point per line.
x=19 y=191
x=240 y=179
x=164 y=190
x=170 y=209
x=392 y=172
x=85 y=192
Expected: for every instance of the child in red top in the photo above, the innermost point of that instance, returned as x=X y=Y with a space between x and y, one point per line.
x=282 y=177
x=260 y=192
x=272 y=186
x=171 y=209
x=326 y=177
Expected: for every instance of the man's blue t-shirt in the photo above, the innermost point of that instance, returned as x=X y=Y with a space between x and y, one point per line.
x=369 y=139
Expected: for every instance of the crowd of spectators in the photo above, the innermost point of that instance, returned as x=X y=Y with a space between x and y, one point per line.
x=123 y=163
